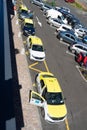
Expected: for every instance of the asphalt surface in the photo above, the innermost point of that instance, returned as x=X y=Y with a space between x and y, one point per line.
x=63 y=66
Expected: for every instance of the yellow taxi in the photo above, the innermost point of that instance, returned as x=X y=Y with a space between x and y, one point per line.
x=28 y=27
x=36 y=49
x=23 y=12
x=49 y=97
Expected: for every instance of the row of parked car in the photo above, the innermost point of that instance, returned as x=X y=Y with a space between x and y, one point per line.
x=49 y=96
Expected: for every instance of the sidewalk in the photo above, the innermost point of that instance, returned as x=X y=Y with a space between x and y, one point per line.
x=83 y=3
x=30 y=112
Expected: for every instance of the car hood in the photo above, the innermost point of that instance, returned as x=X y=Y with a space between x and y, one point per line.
x=57 y=110
x=30 y=29
x=26 y=15
x=38 y=54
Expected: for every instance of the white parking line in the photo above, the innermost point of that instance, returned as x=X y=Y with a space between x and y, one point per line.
x=78 y=68
x=38 y=21
x=68 y=52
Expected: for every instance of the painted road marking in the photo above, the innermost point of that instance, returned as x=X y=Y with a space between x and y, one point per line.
x=31 y=67
x=38 y=21
x=46 y=66
x=67 y=124
x=68 y=52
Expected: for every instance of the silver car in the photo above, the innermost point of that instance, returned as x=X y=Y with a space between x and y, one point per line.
x=55 y=22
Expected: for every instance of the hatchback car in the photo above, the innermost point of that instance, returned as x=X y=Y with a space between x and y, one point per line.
x=35 y=48
x=23 y=12
x=49 y=97
x=55 y=22
x=67 y=36
x=77 y=48
x=37 y=2
x=28 y=27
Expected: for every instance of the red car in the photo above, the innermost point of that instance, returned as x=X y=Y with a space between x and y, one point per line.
x=71 y=1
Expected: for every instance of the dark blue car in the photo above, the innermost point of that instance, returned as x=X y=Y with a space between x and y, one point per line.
x=28 y=27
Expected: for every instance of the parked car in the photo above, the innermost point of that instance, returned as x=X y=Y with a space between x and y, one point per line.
x=65 y=9
x=67 y=36
x=84 y=39
x=35 y=48
x=71 y=1
x=46 y=7
x=54 y=22
x=37 y=2
x=23 y=12
x=49 y=97
x=28 y=27
x=64 y=27
x=80 y=32
x=78 y=47
x=52 y=13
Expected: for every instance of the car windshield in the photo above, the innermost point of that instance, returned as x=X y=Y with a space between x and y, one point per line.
x=54 y=98
x=24 y=11
x=37 y=48
x=29 y=25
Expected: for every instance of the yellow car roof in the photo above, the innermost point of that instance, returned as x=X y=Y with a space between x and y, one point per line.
x=36 y=40
x=23 y=7
x=51 y=82
x=26 y=20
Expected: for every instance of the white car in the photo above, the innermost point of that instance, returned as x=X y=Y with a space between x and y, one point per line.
x=80 y=32
x=54 y=22
x=78 y=47
x=64 y=27
x=36 y=49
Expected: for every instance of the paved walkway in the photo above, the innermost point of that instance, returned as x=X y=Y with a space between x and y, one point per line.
x=30 y=112
x=83 y=3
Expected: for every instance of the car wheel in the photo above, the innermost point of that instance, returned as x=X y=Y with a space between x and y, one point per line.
x=73 y=51
x=61 y=39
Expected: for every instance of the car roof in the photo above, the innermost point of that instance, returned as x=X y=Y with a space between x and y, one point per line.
x=52 y=85
x=26 y=20
x=23 y=7
x=51 y=82
x=36 y=40
x=67 y=26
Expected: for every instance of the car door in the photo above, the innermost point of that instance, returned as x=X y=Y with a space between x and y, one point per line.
x=72 y=39
x=67 y=37
x=36 y=99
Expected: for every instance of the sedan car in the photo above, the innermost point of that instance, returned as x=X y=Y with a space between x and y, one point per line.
x=37 y=2
x=35 y=48
x=55 y=22
x=77 y=48
x=65 y=9
x=28 y=27
x=23 y=12
x=67 y=36
x=49 y=97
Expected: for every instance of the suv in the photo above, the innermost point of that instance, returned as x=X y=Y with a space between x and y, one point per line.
x=49 y=97
x=77 y=48
x=28 y=27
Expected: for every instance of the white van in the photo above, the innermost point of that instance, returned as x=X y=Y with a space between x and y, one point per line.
x=55 y=14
